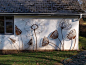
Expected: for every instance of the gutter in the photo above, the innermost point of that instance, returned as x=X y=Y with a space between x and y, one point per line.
x=38 y=14
x=43 y=14
x=80 y=16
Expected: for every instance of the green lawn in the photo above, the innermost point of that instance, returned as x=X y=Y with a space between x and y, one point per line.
x=82 y=43
x=36 y=58
x=84 y=23
x=40 y=58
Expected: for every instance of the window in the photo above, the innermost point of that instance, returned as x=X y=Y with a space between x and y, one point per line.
x=6 y=25
x=1 y=24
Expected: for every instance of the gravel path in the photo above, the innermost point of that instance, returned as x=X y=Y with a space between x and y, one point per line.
x=79 y=59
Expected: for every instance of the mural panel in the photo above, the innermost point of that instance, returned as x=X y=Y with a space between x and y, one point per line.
x=43 y=34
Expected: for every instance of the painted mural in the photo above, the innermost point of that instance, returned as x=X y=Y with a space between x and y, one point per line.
x=42 y=34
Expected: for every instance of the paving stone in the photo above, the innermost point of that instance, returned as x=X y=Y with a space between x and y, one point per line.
x=79 y=59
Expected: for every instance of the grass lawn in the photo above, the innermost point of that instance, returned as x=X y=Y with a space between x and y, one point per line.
x=36 y=58
x=40 y=58
x=82 y=43
x=84 y=23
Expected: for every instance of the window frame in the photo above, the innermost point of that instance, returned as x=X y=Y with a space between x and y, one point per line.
x=5 y=33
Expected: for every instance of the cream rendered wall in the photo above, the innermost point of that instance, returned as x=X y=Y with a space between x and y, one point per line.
x=46 y=26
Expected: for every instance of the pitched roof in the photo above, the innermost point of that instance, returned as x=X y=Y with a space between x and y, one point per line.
x=40 y=6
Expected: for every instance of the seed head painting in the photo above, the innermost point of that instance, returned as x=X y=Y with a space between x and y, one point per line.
x=64 y=25
x=46 y=41
x=34 y=26
x=72 y=35
x=30 y=42
x=54 y=34
x=17 y=30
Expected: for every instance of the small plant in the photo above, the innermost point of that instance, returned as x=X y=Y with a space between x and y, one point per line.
x=84 y=19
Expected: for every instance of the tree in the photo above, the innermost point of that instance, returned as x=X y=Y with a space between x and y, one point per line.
x=83 y=4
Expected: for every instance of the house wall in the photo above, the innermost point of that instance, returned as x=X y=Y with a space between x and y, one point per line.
x=44 y=27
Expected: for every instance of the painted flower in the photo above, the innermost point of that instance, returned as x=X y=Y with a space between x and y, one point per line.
x=54 y=35
x=30 y=42
x=33 y=27
x=71 y=35
x=45 y=41
x=17 y=30
x=64 y=24
x=34 y=24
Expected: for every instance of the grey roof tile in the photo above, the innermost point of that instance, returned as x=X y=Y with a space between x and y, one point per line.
x=39 y=6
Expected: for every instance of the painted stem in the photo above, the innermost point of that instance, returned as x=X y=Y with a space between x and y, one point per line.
x=63 y=40
x=13 y=44
x=60 y=41
x=22 y=42
x=26 y=48
x=71 y=45
x=36 y=38
x=74 y=44
x=54 y=44
x=19 y=44
x=16 y=48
